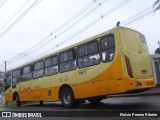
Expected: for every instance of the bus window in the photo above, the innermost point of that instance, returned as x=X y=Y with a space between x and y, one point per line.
x=38 y=70
x=7 y=80
x=88 y=55
x=107 y=48
x=48 y=62
x=92 y=48
x=142 y=38
x=26 y=73
x=67 y=61
x=16 y=76
x=51 y=66
x=82 y=51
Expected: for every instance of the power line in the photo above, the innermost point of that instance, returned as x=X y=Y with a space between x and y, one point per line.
x=35 y=46
x=3 y=2
x=131 y=20
x=67 y=22
x=138 y=16
x=14 y=15
x=91 y=24
x=20 y=17
x=67 y=28
x=63 y=26
x=85 y=15
x=97 y=20
x=76 y=15
x=94 y=22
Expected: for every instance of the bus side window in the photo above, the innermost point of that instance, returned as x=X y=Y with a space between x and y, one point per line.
x=88 y=55
x=67 y=61
x=107 y=48
x=38 y=69
x=51 y=65
x=16 y=76
x=26 y=73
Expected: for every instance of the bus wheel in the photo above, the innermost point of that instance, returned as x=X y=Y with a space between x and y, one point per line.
x=18 y=102
x=95 y=100
x=41 y=103
x=67 y=97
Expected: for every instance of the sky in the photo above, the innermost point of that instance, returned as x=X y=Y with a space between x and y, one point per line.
x=27 y=35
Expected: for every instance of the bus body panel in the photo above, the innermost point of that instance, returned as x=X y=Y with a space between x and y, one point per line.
x=8 y=97
x=54 y=87
x=87 y=81
x=24 y=89
x=135 y=48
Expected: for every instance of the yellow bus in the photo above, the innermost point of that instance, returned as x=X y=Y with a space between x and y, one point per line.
x=113 y=62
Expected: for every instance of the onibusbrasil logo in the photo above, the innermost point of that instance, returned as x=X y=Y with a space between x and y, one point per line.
x=21 y=114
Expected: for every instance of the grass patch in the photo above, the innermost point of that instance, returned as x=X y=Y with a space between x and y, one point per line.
x=13 y=104
x=10 y=104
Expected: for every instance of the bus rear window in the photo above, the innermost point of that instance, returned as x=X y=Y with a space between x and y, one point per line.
x=142 y=38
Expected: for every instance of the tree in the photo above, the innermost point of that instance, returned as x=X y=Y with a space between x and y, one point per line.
x=156 y=5
x=157 y=51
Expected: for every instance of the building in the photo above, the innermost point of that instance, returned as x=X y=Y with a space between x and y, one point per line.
x=156 y=67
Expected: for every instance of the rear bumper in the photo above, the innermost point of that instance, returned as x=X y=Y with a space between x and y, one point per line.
x=139 y=84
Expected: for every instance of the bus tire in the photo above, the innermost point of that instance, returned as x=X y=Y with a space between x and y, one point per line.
x=18 y=102
x=95 y=100
x=67 y=97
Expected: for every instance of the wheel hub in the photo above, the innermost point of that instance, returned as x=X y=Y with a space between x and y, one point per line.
x=67 y=98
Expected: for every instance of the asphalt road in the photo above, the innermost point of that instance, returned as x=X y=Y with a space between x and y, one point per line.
x=109 y=106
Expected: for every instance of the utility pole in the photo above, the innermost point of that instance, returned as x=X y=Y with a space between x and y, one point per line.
x=5 y=63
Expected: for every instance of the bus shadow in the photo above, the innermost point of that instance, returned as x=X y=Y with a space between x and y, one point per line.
x=115 y=106
x=96 y=106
